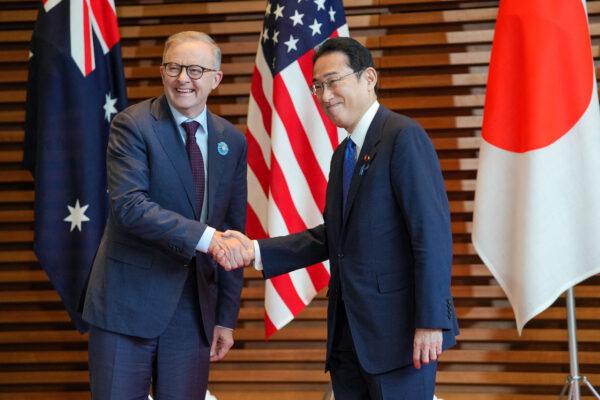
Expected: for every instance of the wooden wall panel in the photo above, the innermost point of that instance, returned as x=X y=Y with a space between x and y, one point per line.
x=432 y=56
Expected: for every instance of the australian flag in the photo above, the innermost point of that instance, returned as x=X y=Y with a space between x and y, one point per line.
x=76 y=86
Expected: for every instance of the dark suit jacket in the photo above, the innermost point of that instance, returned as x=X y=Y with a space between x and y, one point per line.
x=153 y=228
x=390 y=251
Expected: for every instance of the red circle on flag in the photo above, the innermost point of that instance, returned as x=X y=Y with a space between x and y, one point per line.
x=541 y=73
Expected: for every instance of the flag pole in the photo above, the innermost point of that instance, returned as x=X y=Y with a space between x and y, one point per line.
x=574 y=379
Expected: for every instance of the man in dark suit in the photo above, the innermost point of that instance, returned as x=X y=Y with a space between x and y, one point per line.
x=387 y=235
x=158 y=305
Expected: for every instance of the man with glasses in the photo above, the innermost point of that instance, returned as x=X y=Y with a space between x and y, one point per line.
x=387 y=236
x=158 y=305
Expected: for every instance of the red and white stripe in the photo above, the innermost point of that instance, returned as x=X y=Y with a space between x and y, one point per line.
x=49 y=4
x=290 y=144
x=85 y=16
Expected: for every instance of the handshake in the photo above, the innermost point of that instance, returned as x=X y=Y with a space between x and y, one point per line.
x=231 y=249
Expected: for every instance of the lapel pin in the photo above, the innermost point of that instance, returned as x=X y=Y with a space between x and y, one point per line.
x=365 y=166
x=222 y=148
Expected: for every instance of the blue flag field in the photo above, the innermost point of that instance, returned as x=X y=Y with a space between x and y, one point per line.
x=76 y=86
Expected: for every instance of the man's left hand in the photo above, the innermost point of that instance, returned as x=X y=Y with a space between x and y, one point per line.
x=221 y=343
x=426 y=346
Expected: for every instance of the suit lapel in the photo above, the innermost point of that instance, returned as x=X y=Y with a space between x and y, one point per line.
x=367 y=153
x=216 y=160
x=334 y=205
x=168 y=135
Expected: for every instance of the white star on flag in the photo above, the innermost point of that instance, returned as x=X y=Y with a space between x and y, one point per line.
x=109 y=106
x=320 y=4
x=315 y=27
x=278 y=12
x=76 y=215
x=268 y=10
x=265 y=35
x=331 y=14
x=297 y=18
x=276 y=37
x=291 y=44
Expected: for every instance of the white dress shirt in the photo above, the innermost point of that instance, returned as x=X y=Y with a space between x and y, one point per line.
x=202 y=141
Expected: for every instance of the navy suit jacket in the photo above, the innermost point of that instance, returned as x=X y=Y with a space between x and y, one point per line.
x=143 y=260
x=390 y=252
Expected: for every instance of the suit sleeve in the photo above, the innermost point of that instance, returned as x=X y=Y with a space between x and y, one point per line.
x=284 y=254
x=128 y=174
x=420 y=192
x=230 y=283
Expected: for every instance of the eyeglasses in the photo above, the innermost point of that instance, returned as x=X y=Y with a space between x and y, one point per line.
x=318 y=88
x=193 y=71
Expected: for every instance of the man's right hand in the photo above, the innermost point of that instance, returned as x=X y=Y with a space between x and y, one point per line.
x=231 y=250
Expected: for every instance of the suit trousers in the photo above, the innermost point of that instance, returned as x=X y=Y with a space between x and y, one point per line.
x=175 y=363
x=351 y=382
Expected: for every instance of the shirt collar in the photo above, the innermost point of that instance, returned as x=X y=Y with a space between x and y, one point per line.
x=360 y=131
x=180 y=118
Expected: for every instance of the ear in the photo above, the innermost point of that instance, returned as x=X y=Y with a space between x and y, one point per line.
x=162 y=73
x=371 y=76
x=217 y=77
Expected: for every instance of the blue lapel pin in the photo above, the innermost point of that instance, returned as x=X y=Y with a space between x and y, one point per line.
x=365 y=166
x=222 y=148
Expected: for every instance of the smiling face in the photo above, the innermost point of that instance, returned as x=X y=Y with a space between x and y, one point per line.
x=348 y=99
x=188 y=96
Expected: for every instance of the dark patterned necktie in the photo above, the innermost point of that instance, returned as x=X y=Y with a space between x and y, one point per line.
x=196 y=161
x=349 y=163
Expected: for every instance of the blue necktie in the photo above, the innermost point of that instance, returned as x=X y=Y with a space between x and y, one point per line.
x=349 y=163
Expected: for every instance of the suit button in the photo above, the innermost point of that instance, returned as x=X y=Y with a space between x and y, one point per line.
x=340 y=255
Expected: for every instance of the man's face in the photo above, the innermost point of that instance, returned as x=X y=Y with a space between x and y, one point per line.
x=346 y=100
x=187 y=95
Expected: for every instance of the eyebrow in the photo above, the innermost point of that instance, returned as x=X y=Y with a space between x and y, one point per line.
x=327 y=75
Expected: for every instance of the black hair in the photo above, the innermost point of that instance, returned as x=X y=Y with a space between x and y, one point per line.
x=359 y=57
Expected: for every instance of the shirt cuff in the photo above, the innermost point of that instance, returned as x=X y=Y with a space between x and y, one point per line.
x=204 y=242
x=257 y=259
x=224 y=327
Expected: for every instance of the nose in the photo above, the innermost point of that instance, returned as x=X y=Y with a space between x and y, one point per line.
x=326 y=94
x=183 y=76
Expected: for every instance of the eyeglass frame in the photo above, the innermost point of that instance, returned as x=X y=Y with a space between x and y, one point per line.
x=314 y=89
x=181 y=67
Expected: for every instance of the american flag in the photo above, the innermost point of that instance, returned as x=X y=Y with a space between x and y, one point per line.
x=290 y=143
x=76 y=86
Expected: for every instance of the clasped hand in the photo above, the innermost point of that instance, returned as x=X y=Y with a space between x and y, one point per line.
x=231 y=249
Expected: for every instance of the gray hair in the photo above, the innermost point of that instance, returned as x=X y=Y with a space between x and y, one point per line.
x=194 y=36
